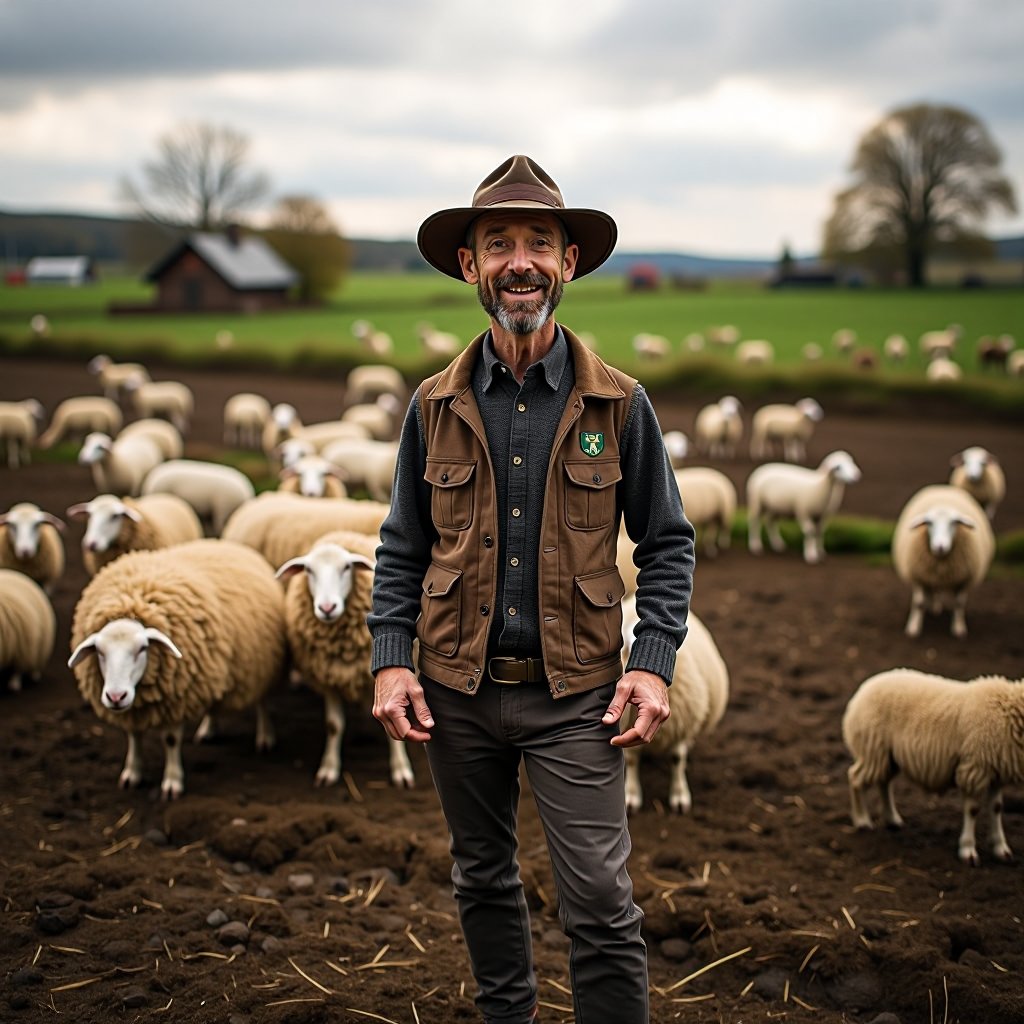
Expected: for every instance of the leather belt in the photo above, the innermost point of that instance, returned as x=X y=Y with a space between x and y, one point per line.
x=511 y=671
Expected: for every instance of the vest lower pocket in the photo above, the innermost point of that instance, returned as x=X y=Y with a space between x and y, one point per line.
x=590 y=493
x=439 y=627
x=597 y=615
x=451 y=498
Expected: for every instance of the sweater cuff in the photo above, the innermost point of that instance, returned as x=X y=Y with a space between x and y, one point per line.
x=391 y=650
x=655 y=652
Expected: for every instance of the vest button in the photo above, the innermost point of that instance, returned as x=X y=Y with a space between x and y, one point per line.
x=597 y=478
x=488 y=542
x=470 y=684
x=444 y=478
x=560 y=686
x=609 y=595
x=484 y=610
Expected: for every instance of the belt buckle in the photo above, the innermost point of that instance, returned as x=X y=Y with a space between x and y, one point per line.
x=494 y=678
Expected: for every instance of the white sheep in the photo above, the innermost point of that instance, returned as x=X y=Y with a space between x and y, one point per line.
x=677 y=444
x=438 y=343
x=76 y=417
x=114 y=377
x=284 y=422
x=812 y=352
x=289 y=452
x=943 y=369
x=245 y=416
x=724 y=336
x=326 y=604
x=378 y=417
x=32 y=544
x=116 y=525
x=651 y=346
x=844 y=339
x=120 y=465
x=28 y=627
x=367 y=383
x=214 y=491
x=178 y=632
x=755 y=353
x=978 y=472
x=164 y=399
x=789 y=426
x=1015 y=363
x=19 y=422
x=163 y=434
x=896 y=348
x=320 y=435
x=697 y=698
x=709 y=499
x=938 y=733
x=777 y=490
x=938 y=344
x=942 y=547
x=694 y=342
x=313 y=476
x=718 y=427
x=366 y=464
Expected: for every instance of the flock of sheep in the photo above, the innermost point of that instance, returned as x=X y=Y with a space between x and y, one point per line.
x=203 y=595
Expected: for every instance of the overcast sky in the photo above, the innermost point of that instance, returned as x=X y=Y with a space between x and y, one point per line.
x=716 y=126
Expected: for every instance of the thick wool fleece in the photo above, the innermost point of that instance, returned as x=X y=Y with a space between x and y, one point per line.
x=46 y=565
x=334 y=655
x=217 y=601
x=27 y=623
x=166 y=520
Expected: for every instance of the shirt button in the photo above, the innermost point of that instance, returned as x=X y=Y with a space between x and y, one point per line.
x=516 y=513
x=560 y=686
x=517 y=460
x=488 y=542
x=511 y=611
x=513 y=561
x=521 y=407
x=484 y=610
x=504 y=369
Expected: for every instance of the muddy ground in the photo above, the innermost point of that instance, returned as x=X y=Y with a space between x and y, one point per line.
x=335 y=905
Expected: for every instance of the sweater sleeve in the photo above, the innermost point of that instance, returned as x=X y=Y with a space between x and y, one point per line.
x=407 y=536
x=655 y=521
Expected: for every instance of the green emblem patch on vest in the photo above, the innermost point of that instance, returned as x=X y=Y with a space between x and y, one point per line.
x=592 y=444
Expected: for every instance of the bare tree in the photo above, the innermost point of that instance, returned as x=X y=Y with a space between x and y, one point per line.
x=200 y=178
x=924 y=175
x=304 y=234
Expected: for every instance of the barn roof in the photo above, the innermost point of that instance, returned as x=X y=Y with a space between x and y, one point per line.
x=246 y=265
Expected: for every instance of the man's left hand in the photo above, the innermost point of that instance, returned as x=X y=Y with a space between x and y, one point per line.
x=650 y=695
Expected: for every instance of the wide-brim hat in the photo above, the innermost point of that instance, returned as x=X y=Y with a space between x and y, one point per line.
x=518 y=185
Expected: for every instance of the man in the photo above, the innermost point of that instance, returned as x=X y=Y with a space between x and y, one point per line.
x=515 y=466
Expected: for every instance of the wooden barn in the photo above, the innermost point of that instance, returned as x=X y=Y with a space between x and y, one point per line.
x=221 y=273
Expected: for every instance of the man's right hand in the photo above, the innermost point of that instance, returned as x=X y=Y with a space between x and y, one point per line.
x=395 y=690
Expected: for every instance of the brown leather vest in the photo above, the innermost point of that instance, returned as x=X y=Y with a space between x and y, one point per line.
x=580 y=588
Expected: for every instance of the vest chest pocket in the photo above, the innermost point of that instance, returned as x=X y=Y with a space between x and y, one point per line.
x=441 y=609
x=597 y=615
x=590 y=493
x=451 y=501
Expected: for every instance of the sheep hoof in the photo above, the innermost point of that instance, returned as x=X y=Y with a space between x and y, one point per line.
x=969 y=855
x=1003 y=853
x=129 y=780
x=326 y=777
x=679 y=806
x=863 y=825
x=403 y=780
x=171 y=790
x=633 y=806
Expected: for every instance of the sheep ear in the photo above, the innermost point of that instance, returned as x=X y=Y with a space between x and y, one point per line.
x=49 y=517
x=83 y=650
x=79 y=510
x=361 y=561
x=957 y=460
x=151 y=633
x=132 y=514
x=287 y=473
x=337 y=472
x=924 y=520
x=292 y=566
x=965 y=521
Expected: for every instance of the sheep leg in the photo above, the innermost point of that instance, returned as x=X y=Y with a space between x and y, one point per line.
x=916 y=618
x=330 y=764
x=14 y=682
x=710 y=538
x=1000 y=847
x=968 y=848
x=265 y=737
x=771 y=526
x=958 y=624
x=812 y=546
x=173 y=784
x=679 y=798
x=206 y=730
x=754 y=531
x=892 y=816
x=401 y=770
x=859 y=814
x=634 y=791
x=131 y=774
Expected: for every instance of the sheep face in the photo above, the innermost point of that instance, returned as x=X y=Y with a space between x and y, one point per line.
x=106 y=519
x=729 y=406
x=95 y=448
x=974 y=460
x=23 y=522
x=284 y=415
x=810 y=409
x=312 y=472
x=841 y=466
x=329 y=569
x=942 y=523
x=122 y=648
x=292 y=450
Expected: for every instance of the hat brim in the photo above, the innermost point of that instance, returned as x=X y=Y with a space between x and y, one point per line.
x=442 y=235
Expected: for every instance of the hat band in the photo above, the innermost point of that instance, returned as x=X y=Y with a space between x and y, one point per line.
x=523 y=194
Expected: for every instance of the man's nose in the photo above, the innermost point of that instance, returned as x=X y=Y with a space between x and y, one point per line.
x=521 y=258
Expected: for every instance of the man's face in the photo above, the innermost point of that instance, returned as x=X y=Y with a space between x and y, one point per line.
x=519 y=262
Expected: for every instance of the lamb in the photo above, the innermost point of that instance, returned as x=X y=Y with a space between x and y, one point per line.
x=120 y=465
x=76 y=417
x=114 y=377
x=116 y=525
x=366 y=464
x=651 y=346
x=718 y=428
x=245 y=416
x=377 y=417
x=178 y=632
x=810 y=496
x=942 y=547
x=326 y=603
x=18 y=424
x=32 y=544
x=709 y=498
x=939 y=733
x=978 y=472
x=943 y=369
x=367 y=383
x=28 y=627
x=896 y=348
x=163 y=434
x=166 y=399
x=755 y=353
x=214 y=491
x=313 y=476
x=697 y=698
x=937 y=344
x=790 y=426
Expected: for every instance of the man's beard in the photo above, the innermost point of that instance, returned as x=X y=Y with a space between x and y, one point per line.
x=520 y=317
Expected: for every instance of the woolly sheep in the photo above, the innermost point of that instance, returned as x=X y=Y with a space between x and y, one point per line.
x=313 y=476
x=114 y=377
x=896 y=348
x=18 y=424
x=289 y=452
x=31 y=543
x=438 y=343
x=214 y=491
x=245 y=416
x=119 y=465
x=76 y=417
x=166 y=399
x=697 y=699
x=942 y=547
x=178 y=631
x=937 y=344
x=709 y=498
x=367 y=383
x=994 y=351
x=844 y=339
x=163 y=434
x=724 y=335
x=27 y=628
x=326 y=604
x=942 y=369
x=677 y=445
x=755 y=353
x=789 y=426
x=283 y=423
x=810 y=496
x=366 y=464
x=718 y=427
x=116 y=525
x=938 y=733
x=283 y=526
x=978 y=472
x=651 y=346
x=378 y=417
x=694 y=342
x=1015 y=363
x=320 y=435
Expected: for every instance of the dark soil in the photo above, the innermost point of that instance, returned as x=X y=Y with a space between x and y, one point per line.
x=107 y=894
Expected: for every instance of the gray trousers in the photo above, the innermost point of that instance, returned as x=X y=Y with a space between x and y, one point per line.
x=576 y=777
